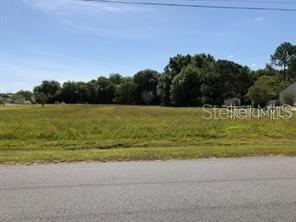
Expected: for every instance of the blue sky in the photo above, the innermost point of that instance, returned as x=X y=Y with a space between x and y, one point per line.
x=75 y=40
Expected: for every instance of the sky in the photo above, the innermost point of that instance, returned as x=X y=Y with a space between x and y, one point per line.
x=74 y=40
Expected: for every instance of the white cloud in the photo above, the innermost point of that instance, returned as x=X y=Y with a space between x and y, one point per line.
x=253 y=65
x=62 y=81
x=3 y=90
x=79 y=7
x=259 y=18
x=87 y=17
x=230 y=56
x=46 y=6
x=102 y=31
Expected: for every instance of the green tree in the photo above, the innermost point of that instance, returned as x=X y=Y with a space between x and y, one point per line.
x=50 y=89
x=265 y=89
x=163 y=88
x=125 y=92
x=115 y=78
x=105 y=91
x=283 y=57
x=176 y=64
x=92 y=92
x=203 y=62
x=25 y=94
x=74 y=92
x=185 y=88
x=146 y=83
x=226 y=79
x=41 y=98
x=18 y=97
x=82 y=92
x=69 y=93
x=267 y=71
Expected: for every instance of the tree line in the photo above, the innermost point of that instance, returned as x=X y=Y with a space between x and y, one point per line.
x=186 y=81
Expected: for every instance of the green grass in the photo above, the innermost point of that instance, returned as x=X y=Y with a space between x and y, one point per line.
x=91 y=132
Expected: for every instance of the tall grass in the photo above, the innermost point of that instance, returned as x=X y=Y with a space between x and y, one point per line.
x=97 y=127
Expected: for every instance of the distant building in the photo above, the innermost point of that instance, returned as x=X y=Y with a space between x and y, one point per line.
x=274 y=103
x=9 y=100
x=288 y=94
x=235 y=101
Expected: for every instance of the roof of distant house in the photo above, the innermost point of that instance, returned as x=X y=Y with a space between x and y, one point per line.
x=288 y=85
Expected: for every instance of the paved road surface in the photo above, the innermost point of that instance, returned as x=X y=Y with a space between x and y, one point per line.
x=255 y=189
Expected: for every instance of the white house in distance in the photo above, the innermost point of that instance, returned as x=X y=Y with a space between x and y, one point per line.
x=234 y=101
x=288 y=94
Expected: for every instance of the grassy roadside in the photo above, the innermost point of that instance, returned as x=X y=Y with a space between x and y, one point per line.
x=156 y=153
x=103 y=133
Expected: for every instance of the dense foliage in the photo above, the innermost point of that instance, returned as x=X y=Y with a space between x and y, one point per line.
x=266 y=88
x=186 y=81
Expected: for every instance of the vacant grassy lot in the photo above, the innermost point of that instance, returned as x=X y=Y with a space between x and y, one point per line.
x=91 y=132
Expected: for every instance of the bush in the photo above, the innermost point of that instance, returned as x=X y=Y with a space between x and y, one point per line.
x=265 y=89
x=185 y=88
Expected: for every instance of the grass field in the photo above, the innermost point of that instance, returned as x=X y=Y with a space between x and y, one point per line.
x=101 y=133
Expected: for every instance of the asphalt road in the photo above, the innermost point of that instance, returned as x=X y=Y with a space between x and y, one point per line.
x=255 y=189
